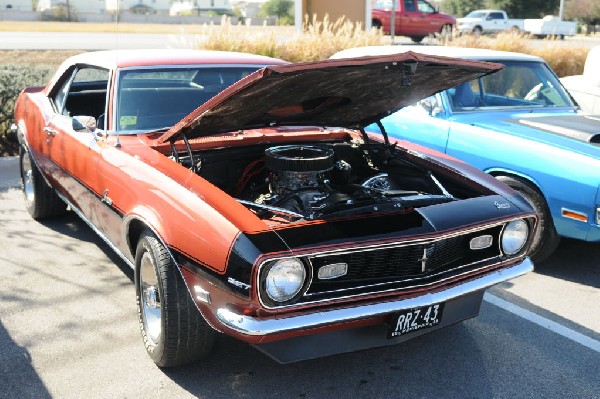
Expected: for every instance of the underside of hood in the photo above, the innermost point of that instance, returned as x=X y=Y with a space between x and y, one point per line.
x=349 y=93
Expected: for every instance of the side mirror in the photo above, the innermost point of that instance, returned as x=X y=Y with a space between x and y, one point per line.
x=430 y=105
x=84 y=123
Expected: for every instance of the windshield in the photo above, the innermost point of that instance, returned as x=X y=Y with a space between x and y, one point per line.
x=157 y=98
x=518 y=85
x=475 y=14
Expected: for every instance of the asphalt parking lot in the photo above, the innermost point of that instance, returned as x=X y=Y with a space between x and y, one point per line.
x=68 y=329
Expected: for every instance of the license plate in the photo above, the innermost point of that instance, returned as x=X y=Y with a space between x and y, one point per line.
x=415 y=319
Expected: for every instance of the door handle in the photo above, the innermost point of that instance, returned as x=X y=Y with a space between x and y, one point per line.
x=50 y=132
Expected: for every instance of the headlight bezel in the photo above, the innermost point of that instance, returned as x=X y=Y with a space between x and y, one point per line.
x=507 y=230
x=267 y=267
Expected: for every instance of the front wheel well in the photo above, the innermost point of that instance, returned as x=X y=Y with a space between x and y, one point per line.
x=545 y=238
x=134 y=231
x=519 y=177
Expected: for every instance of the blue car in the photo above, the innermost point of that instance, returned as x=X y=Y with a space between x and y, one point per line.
x=519 y=125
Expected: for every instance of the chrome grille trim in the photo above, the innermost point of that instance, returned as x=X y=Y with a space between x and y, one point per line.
x=403 y=280
x=375 y=247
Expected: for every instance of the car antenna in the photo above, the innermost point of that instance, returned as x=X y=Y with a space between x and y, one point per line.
x=118 y=141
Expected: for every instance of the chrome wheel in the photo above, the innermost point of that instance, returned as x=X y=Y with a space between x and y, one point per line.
x=150 y=298
x=41 y=200
x=173 y=330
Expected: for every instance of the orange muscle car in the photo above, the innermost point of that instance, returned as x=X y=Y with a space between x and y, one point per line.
x=250 y=201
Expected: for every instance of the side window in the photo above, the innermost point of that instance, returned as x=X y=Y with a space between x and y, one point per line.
x=410 y=5
x=83 y=92
x=425 y=7
x=384 y=4
x=60 y=95
x=496 y=15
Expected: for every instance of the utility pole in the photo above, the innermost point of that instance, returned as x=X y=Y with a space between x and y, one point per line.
x=561 y=11
x=393 y=21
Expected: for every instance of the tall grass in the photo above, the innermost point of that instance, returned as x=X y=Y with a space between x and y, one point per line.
x=321 y=39
x=564 y=60
x=230 y=37
x=318 y=40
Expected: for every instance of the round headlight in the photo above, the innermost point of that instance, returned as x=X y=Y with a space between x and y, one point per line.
x=514 y=236
x=285 y=279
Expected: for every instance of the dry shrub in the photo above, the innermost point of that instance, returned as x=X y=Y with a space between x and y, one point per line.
x=563 y=59
x=321 y=39
x=228 y=37
x=505 y=41
x=318 y=40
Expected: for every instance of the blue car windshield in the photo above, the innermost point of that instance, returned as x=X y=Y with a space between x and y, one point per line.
x=517 y=85
x=152 y=99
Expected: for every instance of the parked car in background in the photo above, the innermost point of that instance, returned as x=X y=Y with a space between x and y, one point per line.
x=494 y=21
x=413 y=18
x=585 y=88
x=519 y=125
x=487 y=21
x=550 y=25
x=268 y=213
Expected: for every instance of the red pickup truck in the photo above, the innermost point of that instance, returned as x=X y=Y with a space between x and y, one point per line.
x=414 y=18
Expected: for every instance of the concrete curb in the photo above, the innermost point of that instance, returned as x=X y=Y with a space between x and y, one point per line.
x=9 y=172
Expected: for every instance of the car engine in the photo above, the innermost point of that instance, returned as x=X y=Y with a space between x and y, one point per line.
x=312 y=181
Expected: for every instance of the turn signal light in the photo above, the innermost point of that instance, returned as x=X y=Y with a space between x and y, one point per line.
x=332 y=271
x=582 y=217
x=481 y=242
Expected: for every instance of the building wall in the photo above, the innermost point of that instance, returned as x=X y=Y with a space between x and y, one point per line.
x=158 y=5
x=17 y=5
x=78 y=5
x=248 y=8
x=353 y=10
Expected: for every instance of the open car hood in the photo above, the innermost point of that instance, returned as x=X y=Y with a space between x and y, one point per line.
x=348 y=93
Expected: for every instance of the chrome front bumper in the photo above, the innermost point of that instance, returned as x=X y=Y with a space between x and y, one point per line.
x=253 y=326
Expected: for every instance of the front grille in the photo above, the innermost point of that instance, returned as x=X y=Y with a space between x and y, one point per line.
x=400 y=266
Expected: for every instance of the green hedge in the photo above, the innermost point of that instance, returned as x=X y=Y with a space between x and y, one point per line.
x=13 y=79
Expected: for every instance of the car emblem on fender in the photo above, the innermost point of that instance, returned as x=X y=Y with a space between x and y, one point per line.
x=504 y=205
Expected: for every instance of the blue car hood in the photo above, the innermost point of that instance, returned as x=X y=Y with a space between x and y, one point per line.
x=563 y=128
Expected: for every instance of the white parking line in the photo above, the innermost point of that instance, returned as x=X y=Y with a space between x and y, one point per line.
x=543 y=322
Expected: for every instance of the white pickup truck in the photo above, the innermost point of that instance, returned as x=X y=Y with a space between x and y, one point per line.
x=550 y=26
x=494 y=21
x=487 y=21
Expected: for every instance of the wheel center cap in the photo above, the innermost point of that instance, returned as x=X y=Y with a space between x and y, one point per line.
x=151 y=297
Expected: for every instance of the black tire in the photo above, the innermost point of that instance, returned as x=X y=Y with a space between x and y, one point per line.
x=376 y=24
x=417 y=39
x=173 y=330
x=41 y=200
x=546 y=239
x=477 y=30
x=446 y=32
